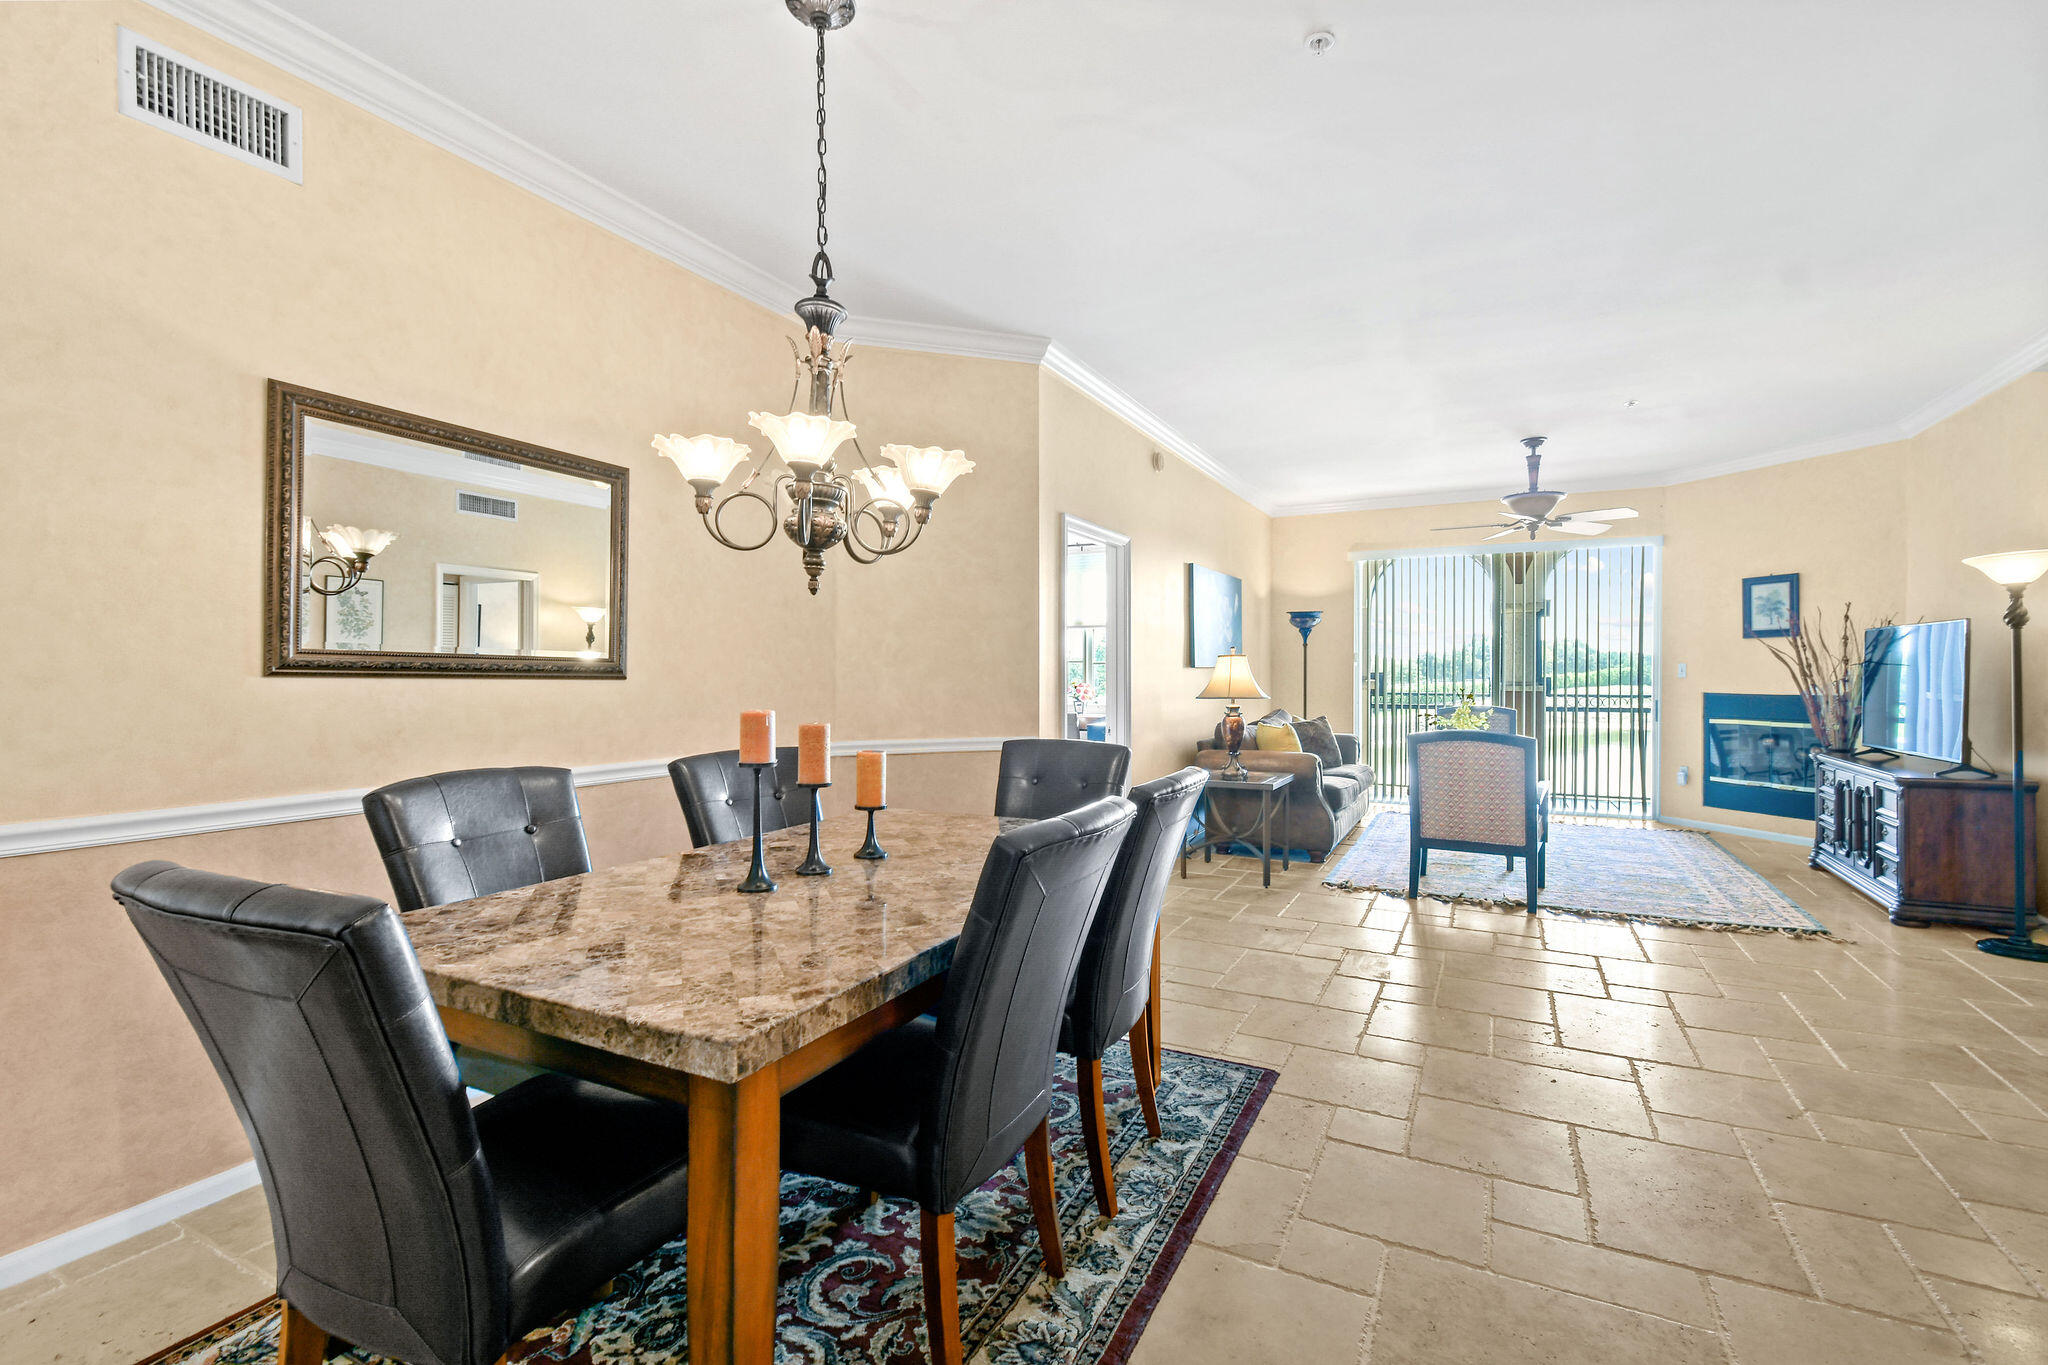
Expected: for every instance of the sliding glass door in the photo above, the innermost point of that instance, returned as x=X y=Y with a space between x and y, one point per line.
x=1564 y=636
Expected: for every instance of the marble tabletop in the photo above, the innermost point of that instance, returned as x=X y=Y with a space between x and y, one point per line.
x=664 y=961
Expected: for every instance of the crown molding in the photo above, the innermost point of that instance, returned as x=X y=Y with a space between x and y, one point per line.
x=1063 y=363
x=312 y=55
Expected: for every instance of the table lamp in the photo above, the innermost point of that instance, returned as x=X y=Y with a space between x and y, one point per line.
x=2013 y=571
x=1232 y=679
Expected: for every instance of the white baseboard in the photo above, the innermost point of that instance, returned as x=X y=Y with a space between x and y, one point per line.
x=1740 y=831
x=141 y=826
x=115 y=1228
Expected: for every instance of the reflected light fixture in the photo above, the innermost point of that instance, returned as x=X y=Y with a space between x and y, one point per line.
x=812 y=498
x=591 y=616
x=351 y=549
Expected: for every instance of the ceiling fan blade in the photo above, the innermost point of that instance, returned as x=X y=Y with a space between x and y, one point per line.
x=1475 y=526
x=1604 y=514
x=1583 y=528
x=1503 y=531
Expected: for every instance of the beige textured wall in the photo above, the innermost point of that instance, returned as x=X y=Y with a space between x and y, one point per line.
x=1094 y=466
x=153 y=287
x=1883 y=528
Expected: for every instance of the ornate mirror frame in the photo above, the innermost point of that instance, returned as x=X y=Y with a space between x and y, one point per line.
x=289 y=406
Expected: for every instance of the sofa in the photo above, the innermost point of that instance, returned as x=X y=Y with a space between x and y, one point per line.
x=1313 y=824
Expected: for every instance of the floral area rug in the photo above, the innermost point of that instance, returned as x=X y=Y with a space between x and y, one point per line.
x=850 y=1289
x=1669 y=876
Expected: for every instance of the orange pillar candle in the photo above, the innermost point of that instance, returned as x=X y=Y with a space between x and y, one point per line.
x=814 y=755
x=869 y=789
x=757 y=736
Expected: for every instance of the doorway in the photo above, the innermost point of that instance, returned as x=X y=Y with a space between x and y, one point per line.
x=486 y=611
x=1563 y=636
x=1095 y=633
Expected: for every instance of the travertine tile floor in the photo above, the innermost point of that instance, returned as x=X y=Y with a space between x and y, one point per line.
x=1501 y=1139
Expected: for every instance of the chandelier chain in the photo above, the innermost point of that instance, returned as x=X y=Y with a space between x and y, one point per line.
x=821 y=139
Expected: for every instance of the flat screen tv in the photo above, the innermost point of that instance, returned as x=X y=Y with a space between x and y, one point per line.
x=1916 y=682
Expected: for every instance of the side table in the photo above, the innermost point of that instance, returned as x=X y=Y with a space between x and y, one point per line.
x=1272 y=791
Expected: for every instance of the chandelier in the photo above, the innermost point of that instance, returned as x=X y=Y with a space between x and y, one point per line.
x=813 y=498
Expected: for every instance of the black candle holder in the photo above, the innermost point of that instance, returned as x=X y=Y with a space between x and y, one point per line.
x=871 y=849
x=814 y=864
x=757 y=875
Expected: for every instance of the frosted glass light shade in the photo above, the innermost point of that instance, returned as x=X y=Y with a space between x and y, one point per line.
x=884 y=485
x=804 y=440
x=2013 y=569
x=704 y=460
x=353 y=542
x=1231 y=679
x=928 y=471
x=591 y=615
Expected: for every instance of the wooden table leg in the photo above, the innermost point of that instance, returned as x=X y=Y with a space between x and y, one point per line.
x=735 y=1178
x=1152 y=1008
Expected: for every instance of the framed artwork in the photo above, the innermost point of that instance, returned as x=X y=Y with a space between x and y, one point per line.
x=1770 y=606
x=355 y=619
x=1215 y=616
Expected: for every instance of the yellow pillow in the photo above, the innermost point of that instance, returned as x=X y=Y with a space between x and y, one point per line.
x=1278 y=736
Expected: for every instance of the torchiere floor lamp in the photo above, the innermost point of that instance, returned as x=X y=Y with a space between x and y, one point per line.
x=2013 y=571
x=1304 y=621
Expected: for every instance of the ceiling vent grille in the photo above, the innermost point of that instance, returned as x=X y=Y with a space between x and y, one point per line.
x=484 y=505
x=200 y=104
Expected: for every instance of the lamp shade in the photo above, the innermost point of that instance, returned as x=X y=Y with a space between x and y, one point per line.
x=928 y=471
x=804 y=440
x=704 y=460
x=2013 y=569
x=884 y=485
x=352 y=542
x=1231 y=679
x=591 y=615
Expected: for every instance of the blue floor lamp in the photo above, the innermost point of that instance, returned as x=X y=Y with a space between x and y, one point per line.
x=2013 y=571
x=1304 y=621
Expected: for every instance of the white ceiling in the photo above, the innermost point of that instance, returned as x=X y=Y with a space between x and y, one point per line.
x=1781 y=226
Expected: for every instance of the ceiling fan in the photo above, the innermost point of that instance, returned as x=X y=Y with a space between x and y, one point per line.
x=1531 y=511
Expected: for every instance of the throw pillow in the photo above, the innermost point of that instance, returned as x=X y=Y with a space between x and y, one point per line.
x=1278 y=735
x=1319 y=739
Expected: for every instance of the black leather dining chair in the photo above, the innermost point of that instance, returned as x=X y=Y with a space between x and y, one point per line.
x=931 y=1110
x=406 y=1223
x=455 y=835
x=717 y=796
x=1113 y=984
x=1042 y=777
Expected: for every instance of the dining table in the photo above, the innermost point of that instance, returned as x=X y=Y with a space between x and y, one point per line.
x=661 y=978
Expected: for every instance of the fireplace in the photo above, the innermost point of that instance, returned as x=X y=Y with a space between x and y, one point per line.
x=1757 y=754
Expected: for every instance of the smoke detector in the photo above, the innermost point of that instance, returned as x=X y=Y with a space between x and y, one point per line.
x=1319 y=42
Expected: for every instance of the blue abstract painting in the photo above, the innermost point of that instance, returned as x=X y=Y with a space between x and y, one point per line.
x=1215 y=616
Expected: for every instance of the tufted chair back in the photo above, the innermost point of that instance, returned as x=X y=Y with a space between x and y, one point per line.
x=1043 y=777
x=1114 y=981
x=1012 y=971
x=717 y=796
x=315 y=1014
x=456 y=835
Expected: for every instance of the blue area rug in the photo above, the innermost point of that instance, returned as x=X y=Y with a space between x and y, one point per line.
x=1666 y=876
x=850 y=1291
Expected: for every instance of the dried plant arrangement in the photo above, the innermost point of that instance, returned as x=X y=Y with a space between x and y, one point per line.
x=1827 y=672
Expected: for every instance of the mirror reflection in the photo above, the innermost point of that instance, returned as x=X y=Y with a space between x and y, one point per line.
x=410 y=547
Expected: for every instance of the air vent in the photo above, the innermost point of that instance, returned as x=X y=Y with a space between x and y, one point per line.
x=492 y=459
x=484 y=505
x=200 y=104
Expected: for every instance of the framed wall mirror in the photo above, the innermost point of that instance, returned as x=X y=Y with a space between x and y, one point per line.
x=399 y=544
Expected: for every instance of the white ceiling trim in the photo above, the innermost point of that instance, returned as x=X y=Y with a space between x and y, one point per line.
x=449 y=466
x=294 y=46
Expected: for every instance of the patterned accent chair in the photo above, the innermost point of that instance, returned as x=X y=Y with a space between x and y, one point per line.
x=1475 y=791
x=1500 y=720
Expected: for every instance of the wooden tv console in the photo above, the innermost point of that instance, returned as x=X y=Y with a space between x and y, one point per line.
x=1929 y=849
